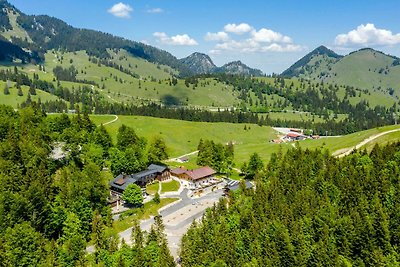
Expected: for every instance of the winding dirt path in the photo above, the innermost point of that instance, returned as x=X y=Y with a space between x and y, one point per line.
x=186 y=155
x=112 y=121
x=364 y=142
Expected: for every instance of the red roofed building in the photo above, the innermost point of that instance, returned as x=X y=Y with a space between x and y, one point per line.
x=179 y=172
x=195 y=178
x=295 y=136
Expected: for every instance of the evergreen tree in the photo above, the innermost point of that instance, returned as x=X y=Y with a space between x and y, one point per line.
x=20 y=93
x=156 y=198
x=157 y=151
x=6 y=89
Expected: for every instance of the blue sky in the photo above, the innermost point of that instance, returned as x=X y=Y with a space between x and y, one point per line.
x=269 y=35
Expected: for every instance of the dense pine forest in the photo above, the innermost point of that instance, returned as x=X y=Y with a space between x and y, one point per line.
x=52 y=207
x=308 y=209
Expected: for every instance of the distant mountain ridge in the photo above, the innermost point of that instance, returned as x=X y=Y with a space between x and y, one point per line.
x=239 y=68
x=200 y=63
x=46 y=33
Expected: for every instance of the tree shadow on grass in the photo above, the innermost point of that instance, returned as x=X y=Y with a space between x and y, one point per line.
x=170 y=100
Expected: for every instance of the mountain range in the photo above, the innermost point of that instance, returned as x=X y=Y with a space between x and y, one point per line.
x=21 y=33
x=200 y=63
x=29 y=37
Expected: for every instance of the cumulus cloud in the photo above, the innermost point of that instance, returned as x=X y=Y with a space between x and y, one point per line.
x=251 y=46
x=121 y=10
x=216 y=36
x=253 y=40
x=367 y=35
x=267 y=36
x=180 y=39
x=238 y=29
x=282 y=48
x=155 y=10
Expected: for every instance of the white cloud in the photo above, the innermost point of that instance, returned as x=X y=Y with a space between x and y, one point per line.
x=121 y=10
x=253 y=41
x=214 y=52
x=180 y=39
x=238 y=29
x=155 y=10
x=216 y=36
x=282 y=48
x=267 y=36
x=252 y=46
x=367 y=35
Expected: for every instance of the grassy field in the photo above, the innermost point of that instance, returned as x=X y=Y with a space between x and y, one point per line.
x=101 y=119
x=383 y=140
x=14 y=100
x=183 y=137
x=152 y=189
x=347 y=141
x=143 y=213
x=170 y=186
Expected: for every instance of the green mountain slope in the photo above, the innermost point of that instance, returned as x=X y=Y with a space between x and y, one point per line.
x=319 y=58
x=239 y=68
x=365 y=69
x=42 y=33
x=368 y=69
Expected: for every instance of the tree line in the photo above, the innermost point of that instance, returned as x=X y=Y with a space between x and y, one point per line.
x=308 y=209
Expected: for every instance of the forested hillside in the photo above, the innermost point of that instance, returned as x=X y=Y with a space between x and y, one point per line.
x=53 y=203
x=107 y=87
x=308 y=209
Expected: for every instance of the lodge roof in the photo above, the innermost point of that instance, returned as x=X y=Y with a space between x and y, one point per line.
x=179 y=170
x=200 y=173
x=123 y=180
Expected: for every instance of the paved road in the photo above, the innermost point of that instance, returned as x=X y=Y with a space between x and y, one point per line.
x=175 y=231
x=364 y=142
